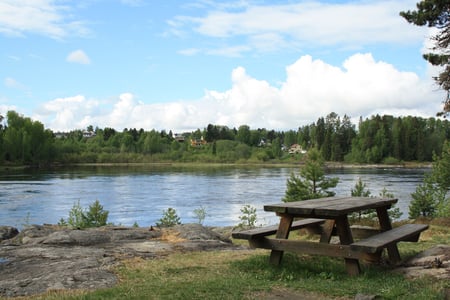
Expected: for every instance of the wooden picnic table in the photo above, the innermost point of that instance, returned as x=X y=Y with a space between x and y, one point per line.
x=332 y=214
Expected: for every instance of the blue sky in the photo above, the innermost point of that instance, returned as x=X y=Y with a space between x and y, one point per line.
x=180 y=65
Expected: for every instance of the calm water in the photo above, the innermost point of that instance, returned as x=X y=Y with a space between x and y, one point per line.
x=140 y=194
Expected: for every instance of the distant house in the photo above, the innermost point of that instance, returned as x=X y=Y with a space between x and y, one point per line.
x=296 y=148
x=179 y=137
x=198 y=142
x=88 y=134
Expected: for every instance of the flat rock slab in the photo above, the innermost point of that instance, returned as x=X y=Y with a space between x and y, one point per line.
x=431 y=262
x=42 y=258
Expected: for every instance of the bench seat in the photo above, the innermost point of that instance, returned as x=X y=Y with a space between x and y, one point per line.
x=375 y=243
x=269 y=230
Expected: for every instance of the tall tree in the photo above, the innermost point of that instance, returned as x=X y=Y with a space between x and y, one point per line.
x=436 y=13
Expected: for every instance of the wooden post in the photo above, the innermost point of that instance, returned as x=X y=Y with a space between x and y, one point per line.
x=282 y=233
x=327 y=231
x=346 y=238
x=385 y=224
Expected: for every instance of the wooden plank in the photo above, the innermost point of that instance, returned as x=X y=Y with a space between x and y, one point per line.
x=329 y=207
x=353 y=204
x=403 y=233
x=269 y=230
x=304 y=247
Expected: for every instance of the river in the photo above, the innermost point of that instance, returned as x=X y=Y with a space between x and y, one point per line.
x=140 y=194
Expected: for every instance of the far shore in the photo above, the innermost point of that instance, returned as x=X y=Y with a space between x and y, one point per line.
x=328 y=165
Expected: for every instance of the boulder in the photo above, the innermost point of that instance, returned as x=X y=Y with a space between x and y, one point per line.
x=8 y=232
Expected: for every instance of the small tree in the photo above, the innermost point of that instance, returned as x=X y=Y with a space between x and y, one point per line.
x=248 y=216
x=360 y=189
x=429 y=199
x=96 y=216
x=200 y=214
x=311 y=183
x=81 y=218
x=169 y=218
x=426 y=199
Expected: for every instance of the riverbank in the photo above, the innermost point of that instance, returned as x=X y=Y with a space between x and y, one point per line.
x=290 y=164
x=194 y=262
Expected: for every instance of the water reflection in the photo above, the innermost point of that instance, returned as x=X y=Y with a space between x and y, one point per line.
x=140 y=194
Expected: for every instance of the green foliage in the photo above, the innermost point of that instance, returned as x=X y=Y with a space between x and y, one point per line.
x=311 y=183
x=441 y=167
x=94 y=216
x=248 y=217
x=435 y=13
x=169 y=218
x=360 y=189
x=426 y=199
x=200 y=214
x=378 y=139
x=429 y=199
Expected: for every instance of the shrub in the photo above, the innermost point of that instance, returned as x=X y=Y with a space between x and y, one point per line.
x=200 y=214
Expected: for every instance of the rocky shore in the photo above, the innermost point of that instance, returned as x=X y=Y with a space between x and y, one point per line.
x=48 y=257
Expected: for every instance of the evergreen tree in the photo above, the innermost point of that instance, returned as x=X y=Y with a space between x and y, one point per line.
x=311 y=183
x=429 y=199
x=436 y=13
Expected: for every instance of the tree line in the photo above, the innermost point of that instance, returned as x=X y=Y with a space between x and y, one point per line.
x=378 y=139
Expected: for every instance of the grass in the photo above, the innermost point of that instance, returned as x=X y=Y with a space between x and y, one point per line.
x=247 y=275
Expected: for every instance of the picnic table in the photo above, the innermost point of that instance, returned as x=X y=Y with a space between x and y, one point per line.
x=331 y=216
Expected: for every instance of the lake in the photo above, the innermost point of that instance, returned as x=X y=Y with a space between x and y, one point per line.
x=140 y=194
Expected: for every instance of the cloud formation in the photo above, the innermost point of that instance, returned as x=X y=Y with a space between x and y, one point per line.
x=300 y=26
x=312 y=89
x=78 y=57
x=45 y=17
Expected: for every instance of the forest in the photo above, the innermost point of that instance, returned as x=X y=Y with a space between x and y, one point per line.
x=378 y=139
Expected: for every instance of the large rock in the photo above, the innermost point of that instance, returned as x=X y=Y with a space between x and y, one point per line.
x=47 y=257
x=8 y=232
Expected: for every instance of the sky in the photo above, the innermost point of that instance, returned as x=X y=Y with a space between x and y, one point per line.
x=181 y=65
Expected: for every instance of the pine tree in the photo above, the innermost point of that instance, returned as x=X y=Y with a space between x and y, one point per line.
x=311 y=183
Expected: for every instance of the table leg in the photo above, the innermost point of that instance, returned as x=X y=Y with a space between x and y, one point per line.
x=346 y=238
x=385 y=224
x=282 y=233
x=327 y=231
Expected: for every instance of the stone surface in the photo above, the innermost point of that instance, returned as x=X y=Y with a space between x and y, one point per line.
x=433 y=262
x=7 y=232
x=42 y=258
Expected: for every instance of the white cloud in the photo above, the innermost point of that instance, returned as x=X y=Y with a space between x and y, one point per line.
x=18 y=17
x=305 y=25
x=312 y=89
x=79 y=57
x=14 y=84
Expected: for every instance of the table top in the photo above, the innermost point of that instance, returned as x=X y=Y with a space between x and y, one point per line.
x=329 y=207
